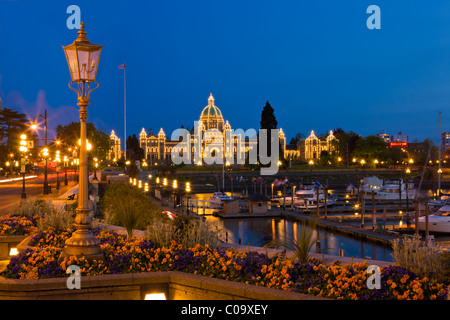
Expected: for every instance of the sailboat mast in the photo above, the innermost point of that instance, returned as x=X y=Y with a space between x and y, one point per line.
x=439 y=163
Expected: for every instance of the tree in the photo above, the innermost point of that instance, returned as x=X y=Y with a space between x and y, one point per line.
x=324 y=158
x=371 y=148
x=268 y=119
x=299 y=137
x=269 y=122
x=345 y=144
x=100 y=141
x=12 y=124
x=134 y=150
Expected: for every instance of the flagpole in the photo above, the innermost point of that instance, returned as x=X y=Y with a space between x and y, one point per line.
x=125 y=110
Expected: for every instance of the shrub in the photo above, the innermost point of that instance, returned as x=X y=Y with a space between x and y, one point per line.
x=29 y=208
x=56 y=218
x=412 y=254
x=186 y=230
x=128 y=207
x=300 y=247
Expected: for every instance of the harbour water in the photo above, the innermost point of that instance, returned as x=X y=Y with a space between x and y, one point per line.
x=261 y=231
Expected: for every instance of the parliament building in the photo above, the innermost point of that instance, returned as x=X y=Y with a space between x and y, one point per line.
x=158 y=148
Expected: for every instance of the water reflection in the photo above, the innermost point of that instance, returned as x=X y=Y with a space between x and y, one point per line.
x=261 y=231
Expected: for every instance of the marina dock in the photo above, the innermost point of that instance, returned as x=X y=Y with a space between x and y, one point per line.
x=384 y=237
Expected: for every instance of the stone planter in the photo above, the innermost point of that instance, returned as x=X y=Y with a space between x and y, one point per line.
x=174 y=284
x=8 y=242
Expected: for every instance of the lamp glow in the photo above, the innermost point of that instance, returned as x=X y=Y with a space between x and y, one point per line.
x=155 y=296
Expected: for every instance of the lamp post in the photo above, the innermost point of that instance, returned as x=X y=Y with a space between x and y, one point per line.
x=65 y=170
x=34 y=126
x=23 y=148
x=83 y=57
x=188 y=191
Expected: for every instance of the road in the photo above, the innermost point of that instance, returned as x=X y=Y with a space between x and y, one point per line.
x=10 y=192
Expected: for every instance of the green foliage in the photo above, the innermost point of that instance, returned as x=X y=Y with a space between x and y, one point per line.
x=12 y=124
x=132 y=170
x=268 y=119
x=372 y=147
x=127 y=206
x=186 y=230
x=134 y=150
x=100 y=141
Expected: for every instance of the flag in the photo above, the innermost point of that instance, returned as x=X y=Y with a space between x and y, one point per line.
x=278 y=183
x=317 y=185
x=285 y=181
x=122 y=66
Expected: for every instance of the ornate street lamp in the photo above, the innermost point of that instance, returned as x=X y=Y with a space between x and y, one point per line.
x=82 y=58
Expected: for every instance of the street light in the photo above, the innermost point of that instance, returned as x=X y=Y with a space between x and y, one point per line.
x=188 y=191
x=34 y=127
x=23 y=148
x=83 y=58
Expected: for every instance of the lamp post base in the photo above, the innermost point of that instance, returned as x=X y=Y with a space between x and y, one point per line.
x=82 y=243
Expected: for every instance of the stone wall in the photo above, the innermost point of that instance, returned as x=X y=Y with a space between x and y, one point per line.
x=175 y=285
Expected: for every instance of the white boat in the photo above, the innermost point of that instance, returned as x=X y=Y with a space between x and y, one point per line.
x=221 y=196
x=435 y=205
x=306 y=198
x=438 y=222
x=370 y=183
x=393 y=190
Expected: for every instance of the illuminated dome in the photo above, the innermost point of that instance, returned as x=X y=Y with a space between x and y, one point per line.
x=211 y=116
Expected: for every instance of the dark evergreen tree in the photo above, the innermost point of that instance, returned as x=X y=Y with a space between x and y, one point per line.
x=12 y=124
x=269 y=122
x=134 y=150
x=268 y=119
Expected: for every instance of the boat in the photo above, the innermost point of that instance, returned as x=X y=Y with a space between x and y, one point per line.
x=306 y=197
x=438 y=222
x=435 y=205
x=222 y=196
x=369 y=184
x=393 y=189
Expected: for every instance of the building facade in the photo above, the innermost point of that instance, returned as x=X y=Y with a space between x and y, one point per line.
x=115 y=152
x=314 y=145
x=215 y=140
x=445 y=141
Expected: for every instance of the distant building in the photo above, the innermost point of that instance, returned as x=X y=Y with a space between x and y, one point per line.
x=399 y=140
x=158 y=147
x=114 y=151
x=445 y=141
x=385 y=136
x=315 y=145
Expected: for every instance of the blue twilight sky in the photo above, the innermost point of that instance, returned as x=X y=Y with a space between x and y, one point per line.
x=316 y=62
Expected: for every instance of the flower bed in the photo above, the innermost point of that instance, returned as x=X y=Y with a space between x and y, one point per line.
x=124 y=256
x=13 y=225
x=13 y=229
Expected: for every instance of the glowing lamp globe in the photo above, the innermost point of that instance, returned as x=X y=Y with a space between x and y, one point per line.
x=83 y=57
